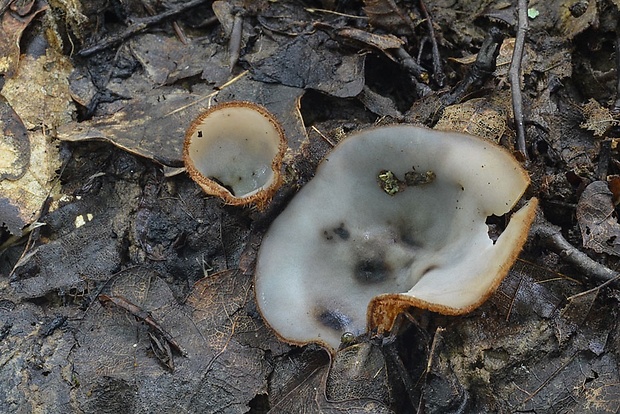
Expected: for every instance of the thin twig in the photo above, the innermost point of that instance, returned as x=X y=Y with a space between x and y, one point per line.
x=616 y=108
x=552 y=239
x=420 y=75
x=594 y=289
x=515 y=75
x=175 y=25
x=234 y=43
x=440 y=77
x=325 y=137
x=139 y=26
x=410 y=64
x=549 y=378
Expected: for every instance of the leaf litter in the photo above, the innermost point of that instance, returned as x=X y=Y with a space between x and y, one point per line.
x=129 y=296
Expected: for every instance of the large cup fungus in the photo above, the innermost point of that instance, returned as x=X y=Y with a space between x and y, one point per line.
x=234 y=150
x=394 y=217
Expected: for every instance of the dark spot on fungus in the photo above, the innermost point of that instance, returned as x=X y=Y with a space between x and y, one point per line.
x=199 y=134
x=369 y=271
x=335 y=320
x=407 y=238
x=342 y=232
x=428 y=269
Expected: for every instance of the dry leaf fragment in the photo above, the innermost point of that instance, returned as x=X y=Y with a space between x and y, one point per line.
x=386 y=14
x=14 y=143
x=599 y=226
x=39 y=92
x=598 y=119
x=21 y=200
x=482 y=117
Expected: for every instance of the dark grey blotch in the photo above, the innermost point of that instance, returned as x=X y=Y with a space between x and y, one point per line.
x=342 y=232
x=409 y=240
x=370 y=271
x=334 y=319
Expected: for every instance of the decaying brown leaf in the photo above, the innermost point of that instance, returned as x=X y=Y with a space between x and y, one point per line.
x=22 y=199
x=334 y=73
x=13 y=22
x=299 y=384
x=382 y=42
x=359 y=372
x=218 y=372
x=153 y=125
x=388 y=15
x=14 y=143
x=39 y=92
x=483 y=117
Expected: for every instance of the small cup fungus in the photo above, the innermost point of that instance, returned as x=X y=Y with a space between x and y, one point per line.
x=234 y=151
x=394 y=217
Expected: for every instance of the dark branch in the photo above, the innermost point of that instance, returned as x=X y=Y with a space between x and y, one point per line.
x=139 y=26
x=515 y=76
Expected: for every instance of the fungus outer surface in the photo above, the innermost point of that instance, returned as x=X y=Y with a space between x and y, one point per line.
x=345 y=241
x=234 y=150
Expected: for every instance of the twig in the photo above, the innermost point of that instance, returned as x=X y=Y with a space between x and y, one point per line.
x=325 y=137
x=594 y=289
x=616 y=108
x=410 y=64
x=420 y=75
x=483 y=67
x=552 y=239
x=234 y=43
x=139 y=26
x=440 y=77
x=515 y=76
x=404 y=16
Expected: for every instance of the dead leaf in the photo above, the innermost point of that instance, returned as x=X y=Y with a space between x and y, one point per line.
x=482 y=117
x=614 y=186
x=13 y=22
x=14 y=143
x=571 y=23
x=166 y=60
x=153 y=124
x=599 y=226
x=382 y=42
x=298 y=384
x=387 y=15
x=598 y=119
x=359 y=372
x=22 y=199
x=39 y=93
x=218 y=374
x=310 y=62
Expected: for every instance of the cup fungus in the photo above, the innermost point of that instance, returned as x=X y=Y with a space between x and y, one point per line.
x=234 y=151
x=394 y=217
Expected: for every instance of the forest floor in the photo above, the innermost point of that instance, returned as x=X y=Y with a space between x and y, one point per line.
x=125 y=288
